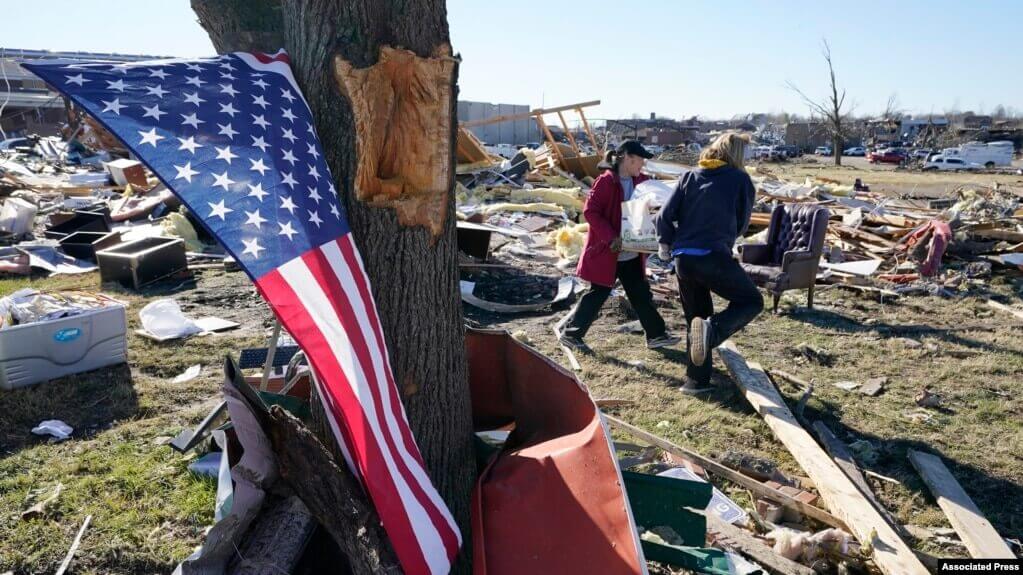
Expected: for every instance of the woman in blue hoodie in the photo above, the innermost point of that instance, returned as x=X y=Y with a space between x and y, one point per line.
x=709 y=209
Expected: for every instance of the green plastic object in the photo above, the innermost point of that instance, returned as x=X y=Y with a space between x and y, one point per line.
x=662 y=501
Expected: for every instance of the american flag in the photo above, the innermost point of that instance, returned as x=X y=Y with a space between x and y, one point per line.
x=233 y=137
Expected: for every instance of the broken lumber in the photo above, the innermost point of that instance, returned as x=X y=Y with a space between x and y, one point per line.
x=977 y=533
x=729 y=474
x=742 y=542
x=74 y=547
x=839 y=492
x=1002 y=307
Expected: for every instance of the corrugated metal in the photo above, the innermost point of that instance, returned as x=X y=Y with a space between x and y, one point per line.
x=517 y=132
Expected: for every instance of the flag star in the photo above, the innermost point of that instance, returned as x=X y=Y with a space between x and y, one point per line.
x=286 y=230
x=314 y=194
x=260 y=101
x=194 y=99
x=287 y=204
x=314 y=218
x=219 y=210
x=153 y=112
x=227 y=130
x=195 y=81
x=150 y=137
x=288 y=115
x=257 y=191
x=289 y=157
x=227 y=76
x=331 y=189
x=260 y=121
x=157 y=91
x=114 y=106
x=226 y=64
x=252 y=247
x=189 y=144
x=222 y=180
x=259 y=143
x=288 y=135
x=286 y=94
x=228 y=109
x=261 y=83
x=258 y=166
x=335 y=211
x=225 y=154
x=157 y=73
x=309 y=128
x=185 y=172
x=255 y=219
x=192 y=120
x=228 y=89
x=79 y=79
x=194 y=67
x=289 y=180
x=313 y=151
x=118 y=85
x=313 y=172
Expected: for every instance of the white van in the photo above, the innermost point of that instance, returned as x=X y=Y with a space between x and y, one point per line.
x=987 y=155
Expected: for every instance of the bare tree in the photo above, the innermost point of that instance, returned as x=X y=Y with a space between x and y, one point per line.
x=831 y=109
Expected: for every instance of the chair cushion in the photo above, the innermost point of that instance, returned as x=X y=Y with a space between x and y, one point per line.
x=770 y=277
x=795 y=227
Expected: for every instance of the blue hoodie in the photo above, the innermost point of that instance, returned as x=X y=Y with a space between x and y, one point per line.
x=709 y=209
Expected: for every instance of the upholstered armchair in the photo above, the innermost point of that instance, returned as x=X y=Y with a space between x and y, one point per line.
x=789 y=259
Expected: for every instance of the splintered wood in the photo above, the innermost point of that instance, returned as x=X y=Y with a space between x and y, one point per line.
x=403 y=116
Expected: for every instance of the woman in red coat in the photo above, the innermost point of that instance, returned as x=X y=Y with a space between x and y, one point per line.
x=603 y=261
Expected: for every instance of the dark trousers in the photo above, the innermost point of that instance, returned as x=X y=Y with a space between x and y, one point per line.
x=698 y=277
x=633 y=277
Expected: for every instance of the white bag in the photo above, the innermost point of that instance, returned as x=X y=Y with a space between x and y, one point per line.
x=639 y=234
x=164 y=319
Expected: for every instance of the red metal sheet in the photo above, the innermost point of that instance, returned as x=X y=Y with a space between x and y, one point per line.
x=552 y=501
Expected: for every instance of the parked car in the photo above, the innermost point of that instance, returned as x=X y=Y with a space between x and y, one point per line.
x=921 y=153
x=855 y=151
x=940 y=162
x=887 y=156
x=792 y=151
x=823 y=151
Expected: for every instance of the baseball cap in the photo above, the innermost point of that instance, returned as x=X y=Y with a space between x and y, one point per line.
x=635 y=148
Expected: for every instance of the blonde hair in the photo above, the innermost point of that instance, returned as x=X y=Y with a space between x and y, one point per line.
x=730 y=148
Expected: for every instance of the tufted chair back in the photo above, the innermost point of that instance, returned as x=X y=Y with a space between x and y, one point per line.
x=796 y=227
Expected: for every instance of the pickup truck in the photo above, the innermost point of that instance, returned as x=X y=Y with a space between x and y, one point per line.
x=942 y=163
x=889 y=156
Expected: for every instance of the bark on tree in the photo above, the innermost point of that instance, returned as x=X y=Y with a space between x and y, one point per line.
x=414 y=273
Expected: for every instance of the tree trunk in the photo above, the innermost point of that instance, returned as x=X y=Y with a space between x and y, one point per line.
x=836 y=148
x=413 y=268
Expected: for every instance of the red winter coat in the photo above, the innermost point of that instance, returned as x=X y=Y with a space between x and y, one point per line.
x=603 y=211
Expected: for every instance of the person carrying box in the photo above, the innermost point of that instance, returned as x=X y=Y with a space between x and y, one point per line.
x=603 y=261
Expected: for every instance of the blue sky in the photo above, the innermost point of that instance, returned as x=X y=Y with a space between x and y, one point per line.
x=677 y=59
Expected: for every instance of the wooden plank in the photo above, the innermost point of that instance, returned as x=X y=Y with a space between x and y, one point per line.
x=522 y=115
x=586 y=126
x=977 y=533
x=728 y=473
x=743 y=542
x=844 y=458
x=1002 y=307
x=840 y=494
x=74 y=547
x=550 y=138
x=568 y=132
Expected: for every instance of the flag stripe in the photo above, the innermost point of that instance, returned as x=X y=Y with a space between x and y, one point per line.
x=341 y=279
x=380 y=482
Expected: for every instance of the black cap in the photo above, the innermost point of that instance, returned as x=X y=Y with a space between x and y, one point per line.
x=635 y=148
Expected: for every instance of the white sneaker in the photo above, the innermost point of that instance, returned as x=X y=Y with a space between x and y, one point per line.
x=699 y=340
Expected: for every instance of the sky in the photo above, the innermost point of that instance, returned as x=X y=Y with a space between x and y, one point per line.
x=675 y=59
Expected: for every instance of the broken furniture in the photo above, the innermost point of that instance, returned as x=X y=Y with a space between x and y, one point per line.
x=141 y=262
x=791 y=255
x=80 y=221
x=474 y=239
x=189 y=438
x=84 y=245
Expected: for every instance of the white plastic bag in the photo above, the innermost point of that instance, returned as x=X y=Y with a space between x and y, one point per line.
x=54 y=427
x=638 y=231
x=164 y=319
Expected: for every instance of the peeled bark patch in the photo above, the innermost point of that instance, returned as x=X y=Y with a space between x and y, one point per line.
x=403 y=116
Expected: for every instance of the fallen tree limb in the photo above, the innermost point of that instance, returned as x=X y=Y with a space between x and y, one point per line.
x=731 y=537
x=729 y=474
x=74 y=547
x=842 y=496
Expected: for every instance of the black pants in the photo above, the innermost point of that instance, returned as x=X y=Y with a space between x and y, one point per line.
x=633 y=277
x=698 y=277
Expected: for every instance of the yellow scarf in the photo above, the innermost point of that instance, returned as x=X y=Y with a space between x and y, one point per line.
x=712 y=164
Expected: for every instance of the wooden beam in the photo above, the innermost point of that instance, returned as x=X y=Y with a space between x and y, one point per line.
x=728 y=473
x=568 y=132
x=523 y=115
x=550 y=138
x=841 y=495
x=586 y=126
x=1002 y=307
x=742 y=542
x=977 y=533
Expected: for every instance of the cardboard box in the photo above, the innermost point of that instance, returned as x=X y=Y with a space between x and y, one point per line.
x=126 y=172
